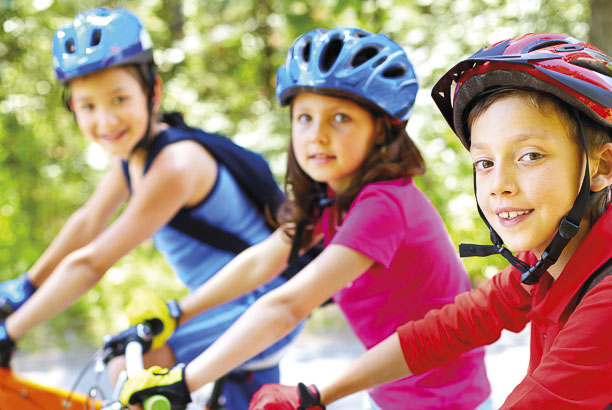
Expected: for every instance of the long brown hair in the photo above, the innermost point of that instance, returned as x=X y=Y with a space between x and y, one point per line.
x=396 y=157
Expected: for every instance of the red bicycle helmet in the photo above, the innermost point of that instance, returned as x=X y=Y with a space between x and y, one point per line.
x=570 y=69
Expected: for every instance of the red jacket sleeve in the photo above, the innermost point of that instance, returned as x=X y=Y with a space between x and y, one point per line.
x=475 y=319
x=576 y=371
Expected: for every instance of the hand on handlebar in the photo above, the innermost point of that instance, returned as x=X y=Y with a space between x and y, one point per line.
x=115 y=346
x=275 y=396
x=147 y=307
x=155 y=380
x=14 y=293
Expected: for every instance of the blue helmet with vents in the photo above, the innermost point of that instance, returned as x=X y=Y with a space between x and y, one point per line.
x=98 y=39
x=350 y=60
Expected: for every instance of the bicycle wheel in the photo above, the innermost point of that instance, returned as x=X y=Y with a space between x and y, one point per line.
x=19 y=393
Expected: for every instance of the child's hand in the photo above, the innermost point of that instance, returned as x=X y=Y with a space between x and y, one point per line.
x=155 y=380
x=278 y=397
x=15 y=292
x=162 y=316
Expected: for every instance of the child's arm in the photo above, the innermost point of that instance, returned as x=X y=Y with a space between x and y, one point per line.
x=277 y=313
x=381 y=364
x=175 y=180
x=248 y=270
x=84 y=225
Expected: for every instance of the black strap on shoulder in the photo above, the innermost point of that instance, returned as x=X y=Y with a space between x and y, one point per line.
x=249 y=169
x=603 y=272
x=207 y=233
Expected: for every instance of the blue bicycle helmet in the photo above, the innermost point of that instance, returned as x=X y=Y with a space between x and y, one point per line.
x=97 y=39
x=370 y=66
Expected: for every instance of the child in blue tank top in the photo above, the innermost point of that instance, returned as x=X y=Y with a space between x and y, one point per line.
x=104 y=59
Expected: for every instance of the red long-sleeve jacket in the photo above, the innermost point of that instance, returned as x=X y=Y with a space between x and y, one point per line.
x=570 y=365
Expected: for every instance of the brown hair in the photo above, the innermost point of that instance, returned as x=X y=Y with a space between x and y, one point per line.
x=396 y=157
x=597 y=135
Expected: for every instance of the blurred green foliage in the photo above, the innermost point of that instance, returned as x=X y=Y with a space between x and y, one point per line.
x=218 y=59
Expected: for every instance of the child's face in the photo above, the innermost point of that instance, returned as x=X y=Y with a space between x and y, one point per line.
x=111 y=109
x=528 y=171
x=331 y=137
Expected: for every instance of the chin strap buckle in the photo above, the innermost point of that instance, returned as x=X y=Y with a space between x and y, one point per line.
x=567 y=229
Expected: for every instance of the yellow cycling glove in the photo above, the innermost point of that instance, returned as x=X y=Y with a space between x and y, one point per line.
x=155 y=380
x=146 y=306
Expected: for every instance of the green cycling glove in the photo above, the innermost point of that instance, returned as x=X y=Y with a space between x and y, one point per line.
x=156 y=380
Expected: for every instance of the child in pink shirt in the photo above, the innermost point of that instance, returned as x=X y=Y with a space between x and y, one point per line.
x=416 y=269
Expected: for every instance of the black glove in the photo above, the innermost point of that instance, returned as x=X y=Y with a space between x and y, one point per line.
x=7 y=346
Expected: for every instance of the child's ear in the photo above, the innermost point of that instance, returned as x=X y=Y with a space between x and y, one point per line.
x=380 y=129
x=601 y=167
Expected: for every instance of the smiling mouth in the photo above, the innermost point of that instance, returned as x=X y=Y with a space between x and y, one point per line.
x=510 y=215
x=113 y=137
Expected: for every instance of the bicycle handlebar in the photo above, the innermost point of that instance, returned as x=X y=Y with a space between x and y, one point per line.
x=134 y=364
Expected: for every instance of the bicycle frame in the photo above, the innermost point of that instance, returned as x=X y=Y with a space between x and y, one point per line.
x=17 y=392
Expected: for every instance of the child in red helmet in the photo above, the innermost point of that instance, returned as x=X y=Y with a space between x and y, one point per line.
x=535 y=113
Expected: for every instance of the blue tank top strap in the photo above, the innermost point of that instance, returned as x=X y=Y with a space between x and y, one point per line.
x=125 y=166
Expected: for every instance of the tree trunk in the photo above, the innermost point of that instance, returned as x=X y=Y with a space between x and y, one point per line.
x=600 y=34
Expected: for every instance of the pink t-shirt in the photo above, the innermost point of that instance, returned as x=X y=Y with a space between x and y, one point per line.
x=416 y=269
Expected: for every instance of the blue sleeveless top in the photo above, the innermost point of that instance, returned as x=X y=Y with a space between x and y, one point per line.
x=194 y=262
x=227 y=207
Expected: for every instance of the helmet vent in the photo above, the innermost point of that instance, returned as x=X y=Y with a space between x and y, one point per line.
x=394 y=72
x=364 y=55
x=379 y=61
x=95 y=37
x=330 y=54
x=598 y=66
x=570 y=47
x=540 y=44
x=306 y=51
x=69 y=46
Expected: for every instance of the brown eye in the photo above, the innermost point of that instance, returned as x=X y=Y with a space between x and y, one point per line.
x=531 y=157
x=482 y=164
x=341 y=117
x=303 y=118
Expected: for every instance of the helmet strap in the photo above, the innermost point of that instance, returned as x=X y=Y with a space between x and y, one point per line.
x=568 y=228
x=322 y=201
x=144 y=141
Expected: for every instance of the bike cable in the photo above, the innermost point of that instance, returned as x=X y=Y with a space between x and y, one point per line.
x=79 y=378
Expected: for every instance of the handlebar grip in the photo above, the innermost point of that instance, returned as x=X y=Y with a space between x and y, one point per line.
x=133 y=362
x=157 y=402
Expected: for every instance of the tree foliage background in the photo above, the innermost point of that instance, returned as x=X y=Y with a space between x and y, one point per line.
x=218 y=59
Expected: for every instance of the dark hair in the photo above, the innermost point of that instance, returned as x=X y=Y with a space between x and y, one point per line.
x=597 y=135
x=396 y=157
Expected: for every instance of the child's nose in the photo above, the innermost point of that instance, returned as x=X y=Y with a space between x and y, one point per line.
x=319 y=132
x=503 y=182
x=107 y=119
